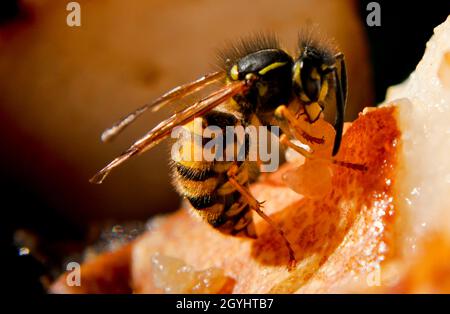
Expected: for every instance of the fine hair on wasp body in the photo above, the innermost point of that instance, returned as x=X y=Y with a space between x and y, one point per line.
x=262 y=85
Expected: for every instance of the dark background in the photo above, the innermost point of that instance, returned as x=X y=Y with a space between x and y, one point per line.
x=410 y=21
x=392 y=59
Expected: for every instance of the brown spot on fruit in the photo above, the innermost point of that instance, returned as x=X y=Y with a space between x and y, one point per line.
x=444 y=70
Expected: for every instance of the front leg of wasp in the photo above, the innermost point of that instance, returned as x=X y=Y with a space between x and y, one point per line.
x=289 y=123
x=256 y=206
x=285 y=141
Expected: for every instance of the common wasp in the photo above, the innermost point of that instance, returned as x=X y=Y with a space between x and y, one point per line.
x=260 y=83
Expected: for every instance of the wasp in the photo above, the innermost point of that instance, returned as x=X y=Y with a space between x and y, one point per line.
x=259 y=83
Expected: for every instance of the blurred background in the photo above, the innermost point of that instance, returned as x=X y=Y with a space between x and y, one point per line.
x=61 y=86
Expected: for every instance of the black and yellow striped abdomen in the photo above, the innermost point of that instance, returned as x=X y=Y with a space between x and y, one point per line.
x=205 y=184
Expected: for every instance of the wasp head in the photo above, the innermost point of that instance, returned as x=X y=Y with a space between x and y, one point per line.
x=310 y=76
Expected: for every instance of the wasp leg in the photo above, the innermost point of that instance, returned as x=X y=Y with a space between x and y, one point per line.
x=287 y=118
x=256 y=206
x=288 y=122
x=285 y=141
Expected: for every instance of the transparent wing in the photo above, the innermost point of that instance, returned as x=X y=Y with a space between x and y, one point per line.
x=172 y=95
x=163 y=129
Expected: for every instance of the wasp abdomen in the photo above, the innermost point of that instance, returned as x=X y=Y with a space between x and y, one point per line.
x=205 y=185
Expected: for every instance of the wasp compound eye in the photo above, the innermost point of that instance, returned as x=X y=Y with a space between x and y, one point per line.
x=307 y=80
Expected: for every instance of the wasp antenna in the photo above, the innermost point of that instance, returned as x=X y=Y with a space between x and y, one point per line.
x=340 y=80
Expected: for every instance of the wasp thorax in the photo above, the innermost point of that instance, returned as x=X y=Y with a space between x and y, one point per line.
x=271 y=70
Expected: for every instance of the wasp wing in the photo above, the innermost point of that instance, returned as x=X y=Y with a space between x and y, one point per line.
x=164 y=129
x=172 y=95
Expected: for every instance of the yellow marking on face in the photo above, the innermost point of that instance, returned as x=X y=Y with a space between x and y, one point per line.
x=313 y=111
x=315 y=75
x=271 y=67
x=297 y=74
x=304 y=97
x=323 y=91
x=234 y=72
x=325 y=67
